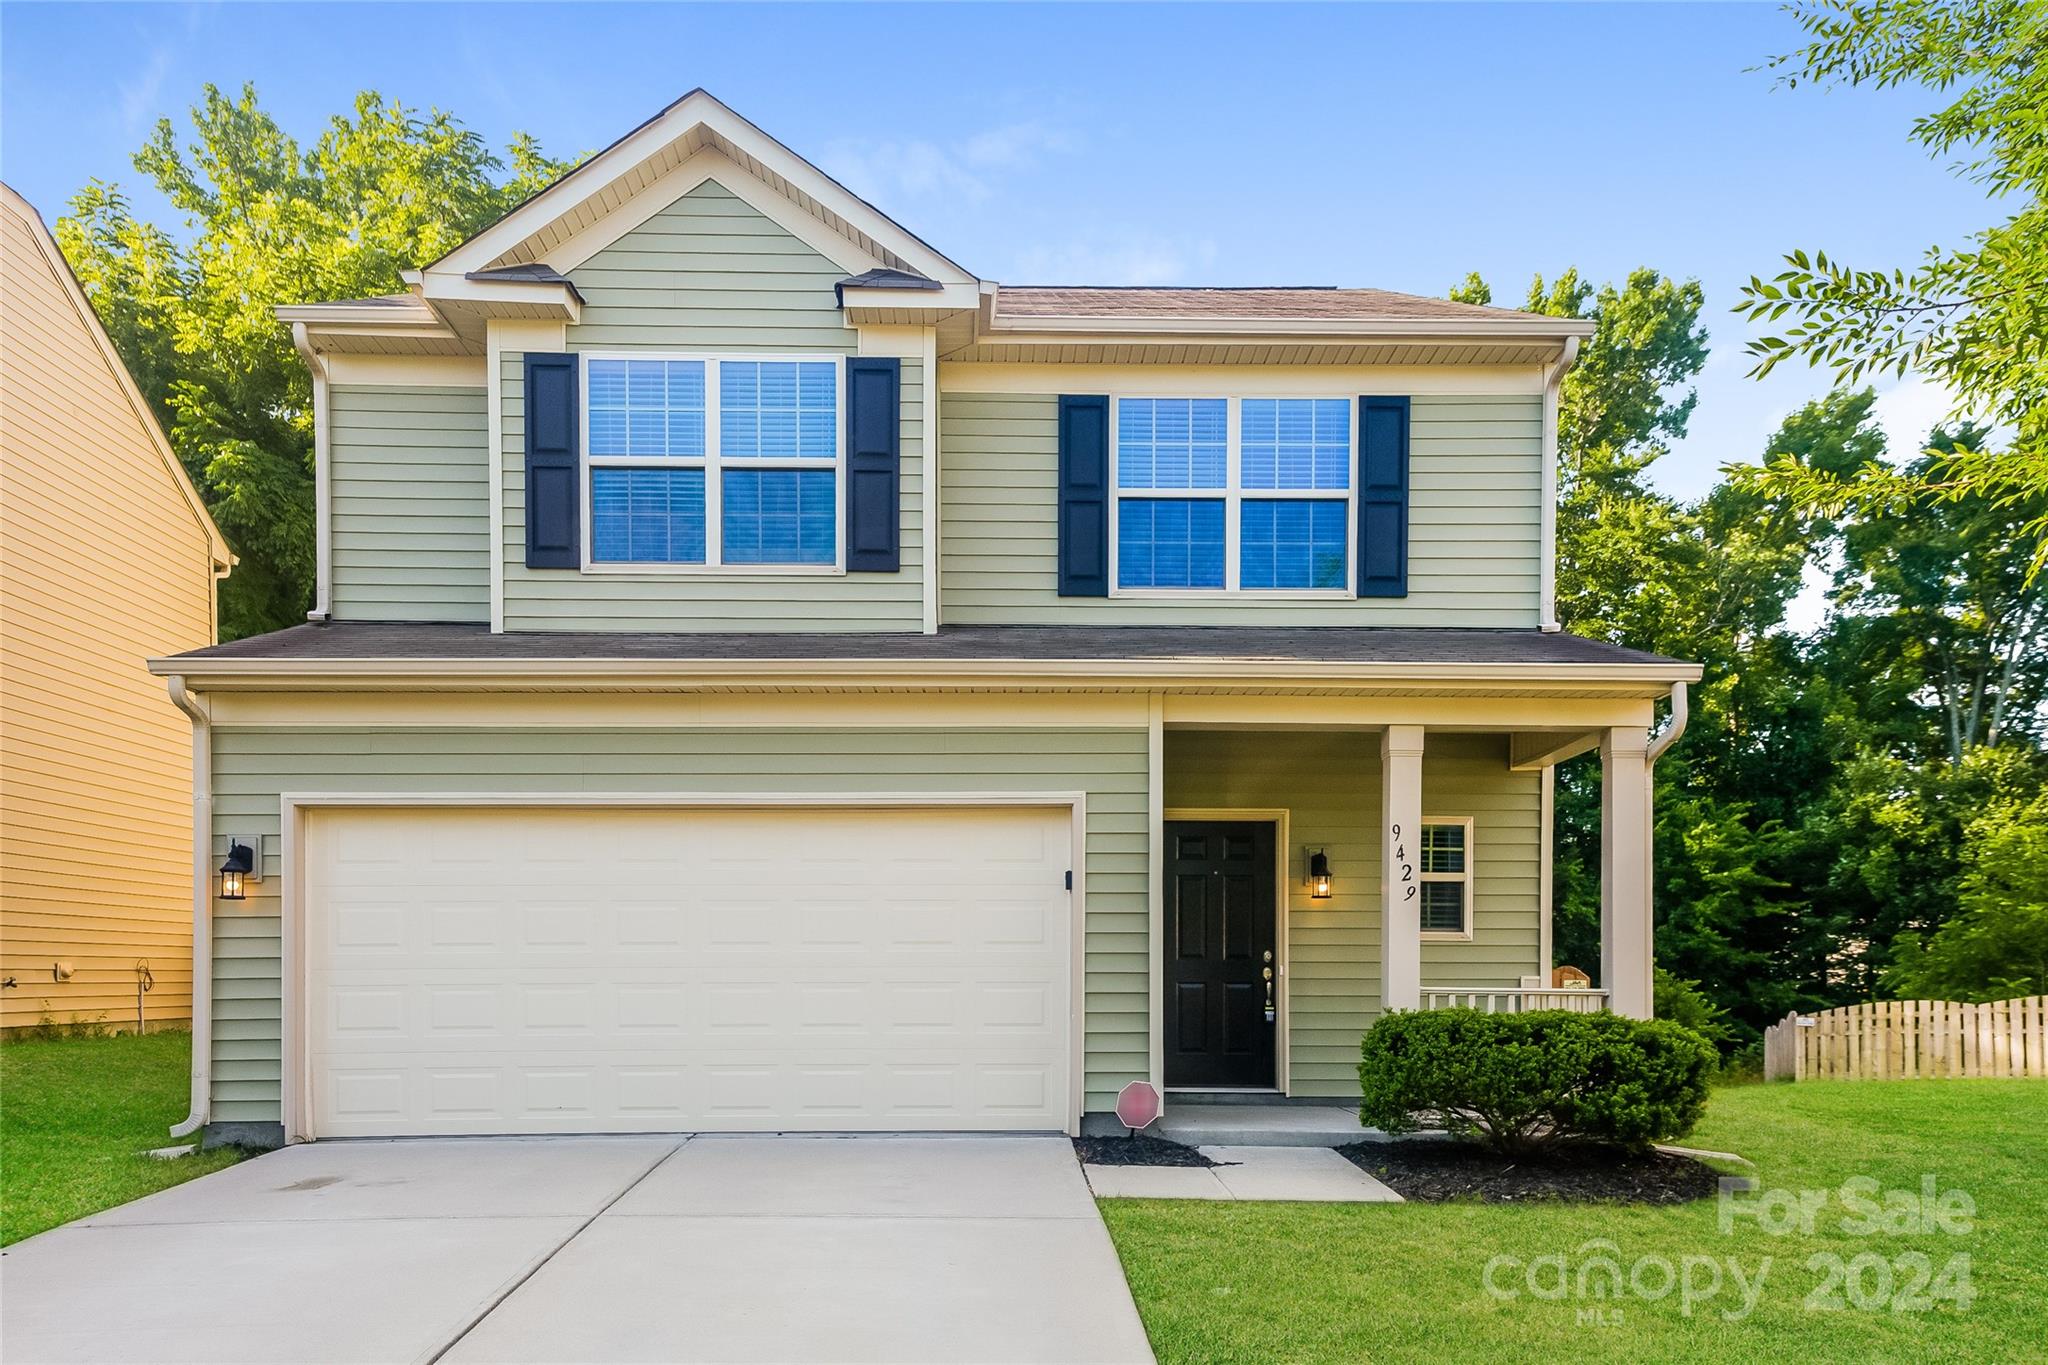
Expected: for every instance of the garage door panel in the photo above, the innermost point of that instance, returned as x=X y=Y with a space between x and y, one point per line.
x=687 y=969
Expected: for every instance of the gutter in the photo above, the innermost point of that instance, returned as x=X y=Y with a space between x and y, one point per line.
x=323 y=498
x=1647 y=679
x=202 y=920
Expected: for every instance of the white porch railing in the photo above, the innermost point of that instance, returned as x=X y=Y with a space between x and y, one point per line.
x=1517 y=1000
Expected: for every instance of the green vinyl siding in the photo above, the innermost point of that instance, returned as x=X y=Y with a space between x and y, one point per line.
x=253 y=768
x=1329 y=783
x=1475 y=513
x=711 y=274
x=409 y=485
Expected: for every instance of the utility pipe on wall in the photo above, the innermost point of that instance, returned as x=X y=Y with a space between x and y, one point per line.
x=202 y=904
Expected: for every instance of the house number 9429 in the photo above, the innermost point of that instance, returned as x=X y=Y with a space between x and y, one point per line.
x=1405 y=868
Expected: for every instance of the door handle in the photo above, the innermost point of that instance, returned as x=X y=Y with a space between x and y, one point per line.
x=1267 y=973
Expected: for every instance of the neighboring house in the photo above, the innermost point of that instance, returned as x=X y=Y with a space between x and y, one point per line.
x=107 y=557
x=767 y=677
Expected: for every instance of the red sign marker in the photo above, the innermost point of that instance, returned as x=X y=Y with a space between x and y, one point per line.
x=1138 y=1104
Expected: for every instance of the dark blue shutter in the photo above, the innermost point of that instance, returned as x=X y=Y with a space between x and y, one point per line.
x=874 y=387
x=1382 y=497
x=1084 y=496
x=554 y=521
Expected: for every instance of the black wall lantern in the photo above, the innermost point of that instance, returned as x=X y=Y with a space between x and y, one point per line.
x=1318 y=875
x=241 y=861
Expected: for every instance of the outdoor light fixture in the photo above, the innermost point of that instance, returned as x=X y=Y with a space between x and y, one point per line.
x=1318 y=875
x=241 y=862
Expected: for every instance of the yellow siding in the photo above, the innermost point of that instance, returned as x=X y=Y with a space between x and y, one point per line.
x=103 y=562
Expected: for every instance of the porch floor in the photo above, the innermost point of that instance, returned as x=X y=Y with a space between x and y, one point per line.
x=1263 y=1125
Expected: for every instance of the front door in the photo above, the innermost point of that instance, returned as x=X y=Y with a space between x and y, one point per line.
x=1221 y=977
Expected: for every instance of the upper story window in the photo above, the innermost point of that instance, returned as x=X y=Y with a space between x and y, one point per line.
x=1240 y=494
x=713 y=462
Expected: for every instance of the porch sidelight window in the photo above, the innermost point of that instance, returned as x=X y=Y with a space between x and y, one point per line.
x=1446 y=872
x=1233 y=495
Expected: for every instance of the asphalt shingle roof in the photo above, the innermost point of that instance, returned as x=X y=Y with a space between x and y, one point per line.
x=360 y=640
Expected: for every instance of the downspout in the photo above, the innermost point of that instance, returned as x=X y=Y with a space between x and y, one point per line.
x=202 y=896
x=1553 y=377
x=323 y=502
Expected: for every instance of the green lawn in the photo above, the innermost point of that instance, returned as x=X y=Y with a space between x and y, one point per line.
x=1306 y=1282
x=76 y=1116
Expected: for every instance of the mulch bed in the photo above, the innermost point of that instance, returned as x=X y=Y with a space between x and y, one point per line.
x=1138 y=1150
x=1433 y=1171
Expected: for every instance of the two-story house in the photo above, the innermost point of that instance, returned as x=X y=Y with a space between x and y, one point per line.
x=766 y=677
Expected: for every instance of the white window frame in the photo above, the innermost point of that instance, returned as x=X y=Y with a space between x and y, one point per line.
x=1233 y=495
x=714 y=465
x=1467 y=877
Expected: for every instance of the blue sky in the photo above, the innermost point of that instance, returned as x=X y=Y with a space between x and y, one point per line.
x=1388 y=145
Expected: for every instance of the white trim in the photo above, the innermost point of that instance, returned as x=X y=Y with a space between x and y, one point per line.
x=1233 y=495
x=949 y=298
x=533 y=294
x=1469 y=878
x=1546 y=840
x=1281 y=818
x=494 y=427
x=1631 y=681
x=296 y=1078
x=1155 y=892
x=928 y=479
x=323 y=476
x=1240 y=381
x=713 y=464
x=1552 y=377
x=349 y=369
x=671 y=125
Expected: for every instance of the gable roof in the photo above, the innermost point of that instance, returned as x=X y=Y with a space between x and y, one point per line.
x=603 y=183
x=217 y=545
x=515 y=269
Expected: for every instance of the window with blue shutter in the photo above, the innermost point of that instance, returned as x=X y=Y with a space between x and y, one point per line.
x=1084 y=495
x=1383 y=497
x=554 y=520
x=713 y=462
x=1261 y=503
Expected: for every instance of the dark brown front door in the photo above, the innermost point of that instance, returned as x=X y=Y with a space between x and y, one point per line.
x=1219 y=946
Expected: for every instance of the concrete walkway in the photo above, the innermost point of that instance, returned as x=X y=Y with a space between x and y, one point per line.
x=591 y=1250
x=1309 y=1174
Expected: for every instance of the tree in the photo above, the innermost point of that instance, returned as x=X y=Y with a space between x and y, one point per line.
x=1949 y=580
x=1974 y=316
x=384 y=188
x=1996 y=944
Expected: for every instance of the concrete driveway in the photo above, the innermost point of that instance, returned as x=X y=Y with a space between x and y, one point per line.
x=589 y=1250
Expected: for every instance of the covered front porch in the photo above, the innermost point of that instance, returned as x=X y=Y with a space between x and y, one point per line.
x=1321 y=861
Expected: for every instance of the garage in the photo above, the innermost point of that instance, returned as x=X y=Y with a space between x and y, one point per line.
x=626 y=968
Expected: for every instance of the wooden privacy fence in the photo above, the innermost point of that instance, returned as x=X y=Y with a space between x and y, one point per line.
x=1903 y=1040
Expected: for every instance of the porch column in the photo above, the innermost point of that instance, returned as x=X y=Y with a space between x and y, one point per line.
x=1400 y=851
x=1625 y=870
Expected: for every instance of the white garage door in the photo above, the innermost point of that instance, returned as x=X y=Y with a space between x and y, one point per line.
x=574 y=970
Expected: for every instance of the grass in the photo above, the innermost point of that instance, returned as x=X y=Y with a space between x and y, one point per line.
x=77 y=1116
x=1307 y=1282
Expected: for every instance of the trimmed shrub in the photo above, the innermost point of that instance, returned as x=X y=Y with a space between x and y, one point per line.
x=1518 y=1082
